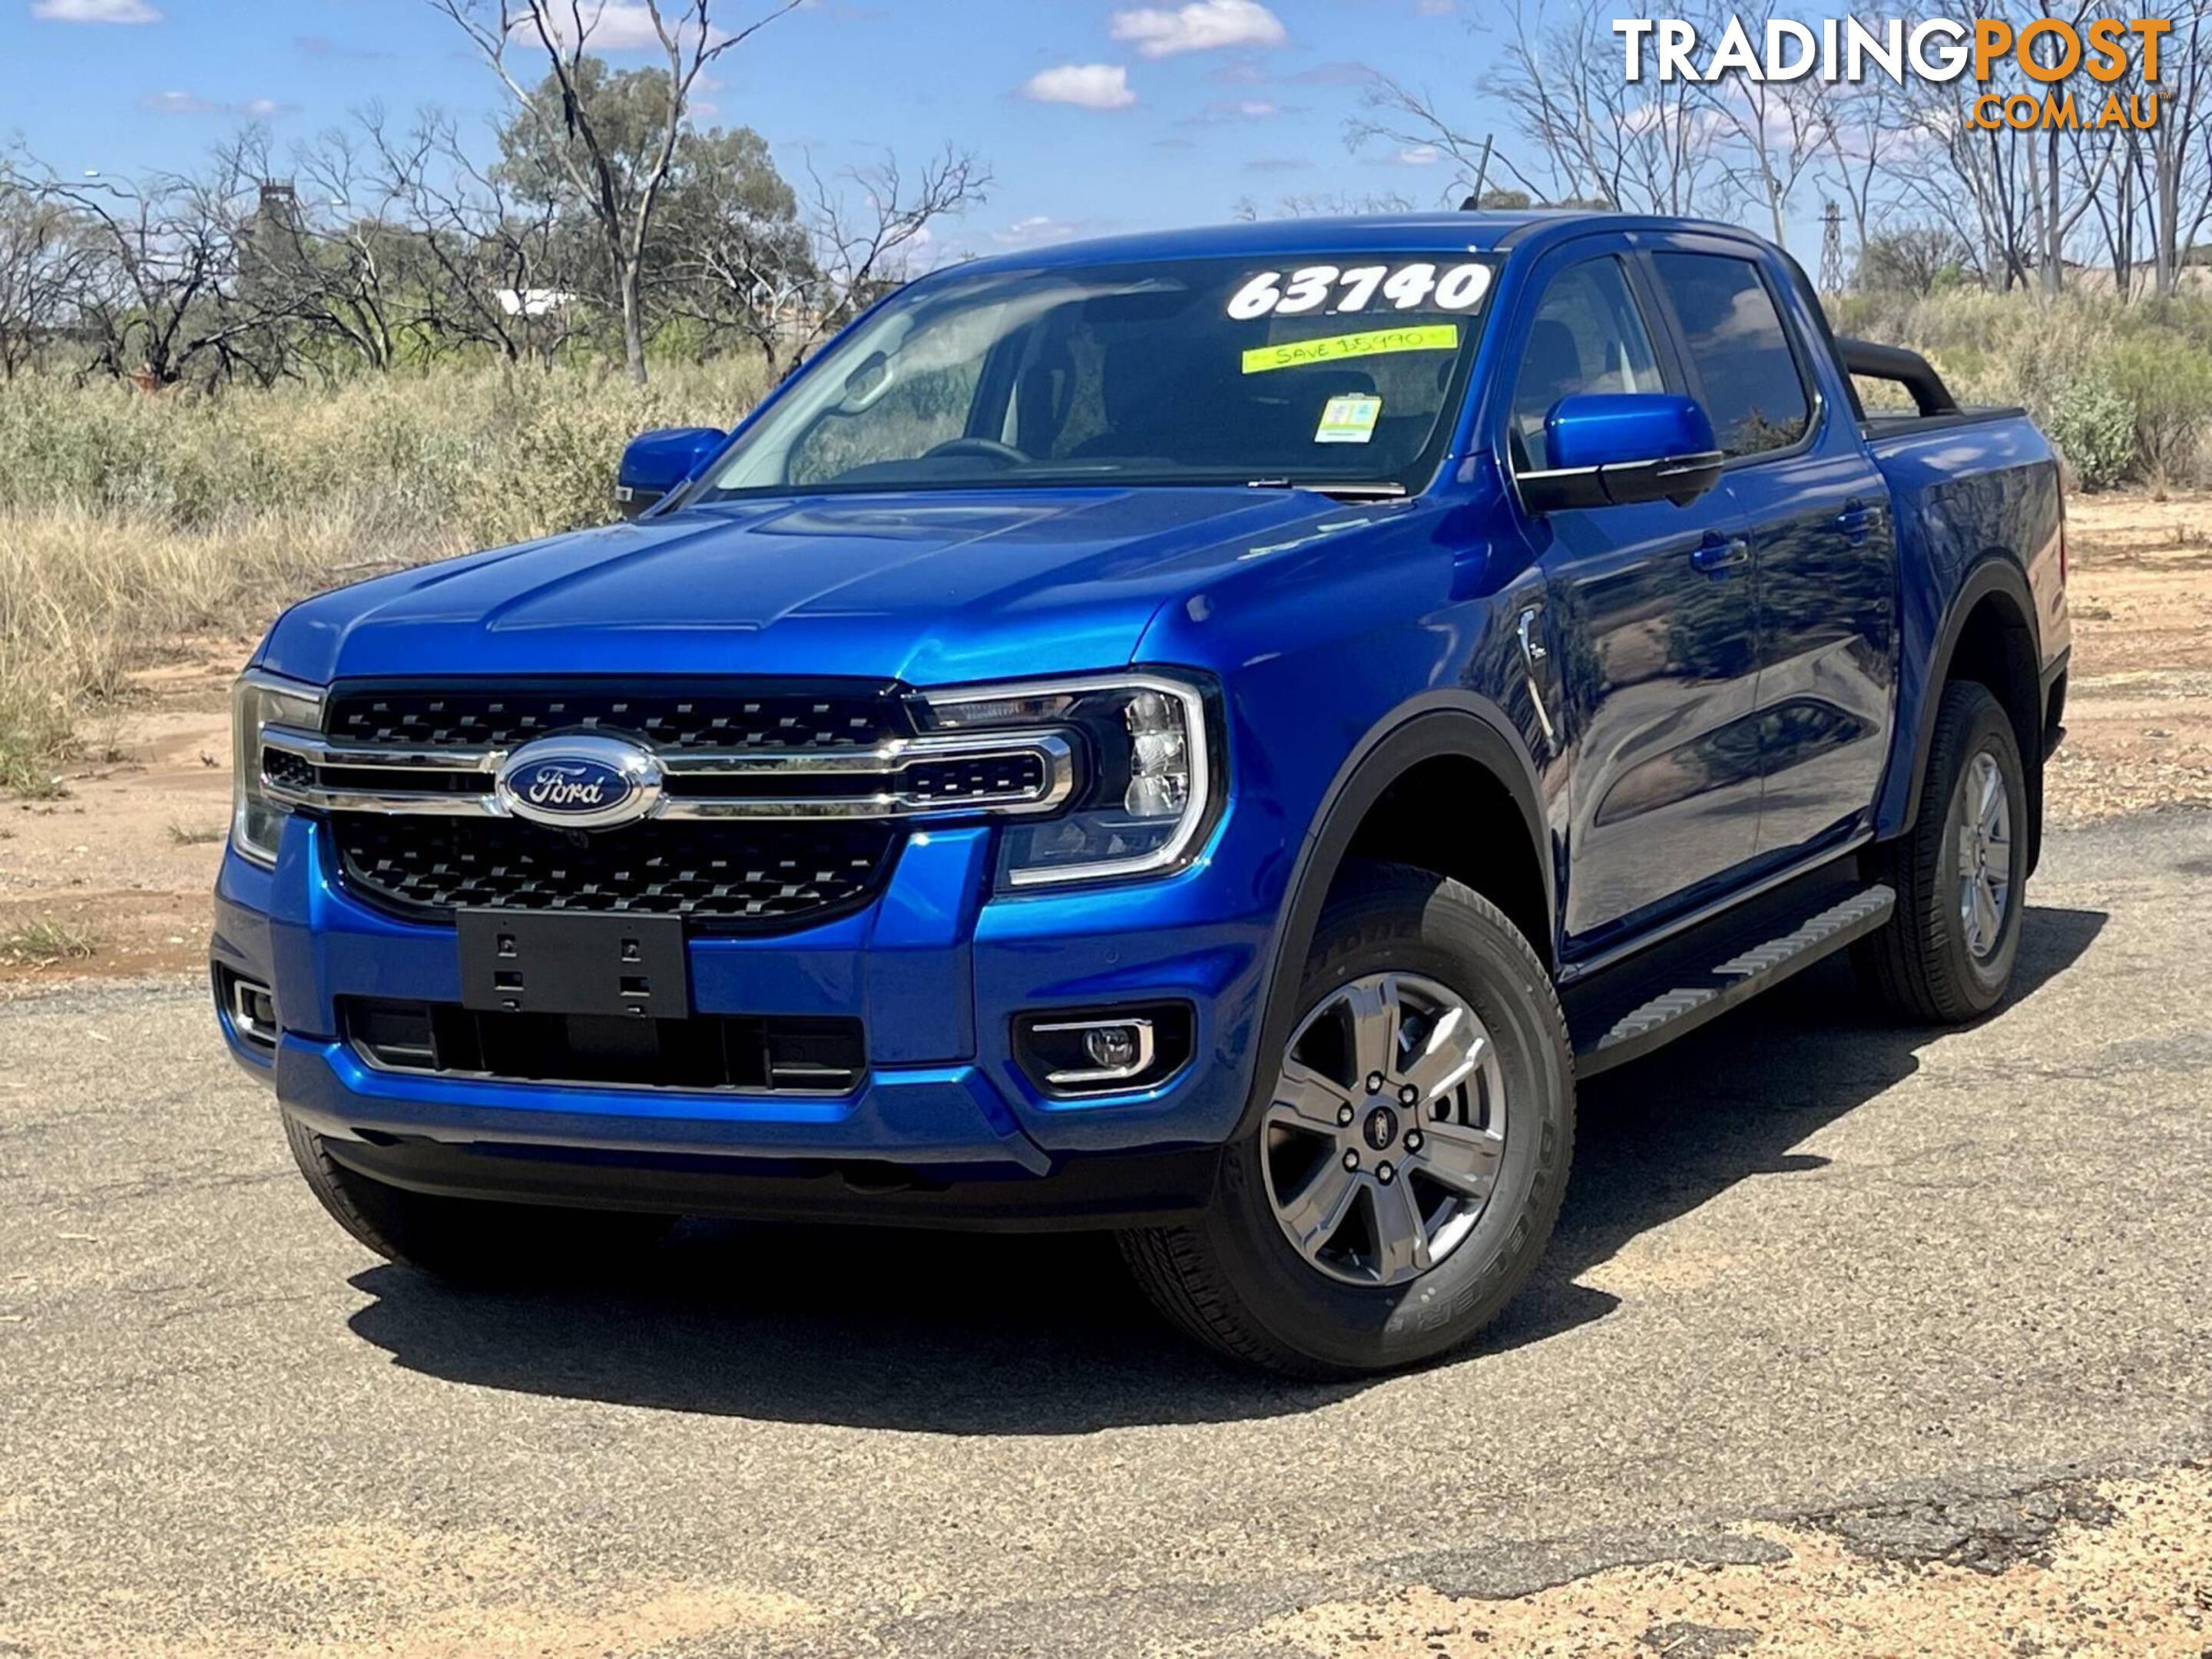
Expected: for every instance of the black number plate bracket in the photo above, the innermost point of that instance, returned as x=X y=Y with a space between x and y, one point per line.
x=548 y=962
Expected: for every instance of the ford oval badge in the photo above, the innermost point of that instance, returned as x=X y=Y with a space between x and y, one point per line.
x=583 y=781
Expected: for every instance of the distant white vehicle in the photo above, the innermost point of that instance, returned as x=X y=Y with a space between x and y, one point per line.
x=533 y=302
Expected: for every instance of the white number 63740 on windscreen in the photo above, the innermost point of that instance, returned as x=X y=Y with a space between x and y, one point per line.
x=1357 y=288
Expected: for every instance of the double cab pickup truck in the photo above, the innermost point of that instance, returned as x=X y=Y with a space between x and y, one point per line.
x=1207 y=736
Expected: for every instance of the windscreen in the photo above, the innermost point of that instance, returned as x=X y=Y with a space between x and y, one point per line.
x=1185 y=371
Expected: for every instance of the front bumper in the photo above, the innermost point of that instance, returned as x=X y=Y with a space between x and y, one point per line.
x=936 y=969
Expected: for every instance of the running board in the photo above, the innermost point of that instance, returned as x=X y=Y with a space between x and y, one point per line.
x=1700 y=996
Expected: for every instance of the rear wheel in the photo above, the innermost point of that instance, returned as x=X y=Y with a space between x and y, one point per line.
x=1947 y=954
x=470 y=1241
x=1406 y=1171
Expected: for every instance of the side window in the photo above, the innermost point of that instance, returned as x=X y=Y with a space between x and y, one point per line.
x=1752 y=391
x=1588 y=337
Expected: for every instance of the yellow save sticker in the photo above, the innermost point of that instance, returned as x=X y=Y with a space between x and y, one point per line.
x=1374 y=342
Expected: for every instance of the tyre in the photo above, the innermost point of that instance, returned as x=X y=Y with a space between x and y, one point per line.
x=1408 y=1164
x=470 y=1241
x=1947 y=954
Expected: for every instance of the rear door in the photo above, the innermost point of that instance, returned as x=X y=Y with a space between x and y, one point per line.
x=1648 y=607
x=1816 y=510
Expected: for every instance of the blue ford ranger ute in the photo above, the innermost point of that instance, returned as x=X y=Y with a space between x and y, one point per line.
x=1204 y=735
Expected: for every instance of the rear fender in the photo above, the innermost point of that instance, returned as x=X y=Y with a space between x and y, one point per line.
x=1995 y=572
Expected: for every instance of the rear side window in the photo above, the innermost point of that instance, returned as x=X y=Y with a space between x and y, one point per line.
x=1740 y=351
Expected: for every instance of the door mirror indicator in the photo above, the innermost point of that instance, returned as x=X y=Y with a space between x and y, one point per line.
x=1610 y=449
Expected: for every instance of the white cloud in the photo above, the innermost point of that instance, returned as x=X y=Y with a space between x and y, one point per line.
x=1419 y=155
x=1199 y=26
x=1223 y=111
x=1436 y=7
x=1036 y=231
x=1093 y=86
x=191 y=103
x=95 y=11
x=180 y=103
x=616 y=25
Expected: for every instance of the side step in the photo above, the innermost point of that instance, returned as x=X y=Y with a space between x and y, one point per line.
x=1699 y=995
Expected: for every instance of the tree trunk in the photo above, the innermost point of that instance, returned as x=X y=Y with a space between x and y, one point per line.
x=2054 y=267
x=626 y=280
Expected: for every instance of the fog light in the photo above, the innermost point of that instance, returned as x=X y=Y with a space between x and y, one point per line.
x=253 y=1012
x=1112 y=1048
x=1117 y=1050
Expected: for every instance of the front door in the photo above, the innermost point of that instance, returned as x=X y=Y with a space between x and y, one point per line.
x=1649 y=606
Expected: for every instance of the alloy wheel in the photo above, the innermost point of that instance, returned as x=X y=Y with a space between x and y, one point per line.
x=1386 y=1129
x=1981 y=816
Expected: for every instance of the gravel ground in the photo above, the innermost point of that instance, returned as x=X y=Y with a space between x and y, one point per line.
x=1852 y=1338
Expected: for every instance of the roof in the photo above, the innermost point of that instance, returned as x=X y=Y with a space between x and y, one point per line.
x=1393 y=232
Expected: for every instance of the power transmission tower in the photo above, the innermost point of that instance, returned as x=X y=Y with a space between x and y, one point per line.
x=1831 y=249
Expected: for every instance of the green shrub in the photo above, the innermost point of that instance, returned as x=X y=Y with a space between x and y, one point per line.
x=2094 y=428
x=2168 y=378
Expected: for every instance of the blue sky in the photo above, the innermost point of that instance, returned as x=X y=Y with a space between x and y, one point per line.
x=1094 y=116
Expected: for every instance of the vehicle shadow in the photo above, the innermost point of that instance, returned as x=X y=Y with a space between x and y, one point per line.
x=1044 y=1334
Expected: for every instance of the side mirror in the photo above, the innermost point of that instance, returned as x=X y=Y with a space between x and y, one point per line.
x=654 y=463
x=1608 y=448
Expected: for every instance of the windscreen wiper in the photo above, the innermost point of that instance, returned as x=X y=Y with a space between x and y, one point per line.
x=1342 y=492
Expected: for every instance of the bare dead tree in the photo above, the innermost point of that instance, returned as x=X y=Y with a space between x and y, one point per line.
x=871 y=227
x=43 y=253
x=1410 y=119
x=787 y=285
x=1969 y=178
x=157 y=288
x=1861 y=137
x=1646 y=146
x=1331 y=204
x=1771 y=133
x=2180 y=194
x=485 y=266
x=562 y=31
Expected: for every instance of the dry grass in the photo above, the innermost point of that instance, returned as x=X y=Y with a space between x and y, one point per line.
x=43 y=942
x=130 y=522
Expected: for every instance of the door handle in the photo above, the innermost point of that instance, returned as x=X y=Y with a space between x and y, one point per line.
x=1858 y=520
x=1716 y=557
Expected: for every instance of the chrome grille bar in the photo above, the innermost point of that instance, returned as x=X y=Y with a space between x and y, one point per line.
x=887 y=766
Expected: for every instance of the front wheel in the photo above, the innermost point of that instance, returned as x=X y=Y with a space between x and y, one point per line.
x=1405 y=1170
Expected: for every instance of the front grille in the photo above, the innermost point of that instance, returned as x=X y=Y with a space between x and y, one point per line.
x=841 y=715
x=777 y=1054
x=733 y=877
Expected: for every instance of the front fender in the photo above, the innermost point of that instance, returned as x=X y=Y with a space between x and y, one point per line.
x=1439 y=724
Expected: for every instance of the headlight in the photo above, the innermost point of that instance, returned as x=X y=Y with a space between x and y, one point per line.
x=262 y=700
x=1151 y=780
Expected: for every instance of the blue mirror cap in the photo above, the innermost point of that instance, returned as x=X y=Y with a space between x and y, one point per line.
x=1612 y=428
x=659 y=461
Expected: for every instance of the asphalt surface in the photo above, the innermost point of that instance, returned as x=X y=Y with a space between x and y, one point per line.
x=1808 y=1264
